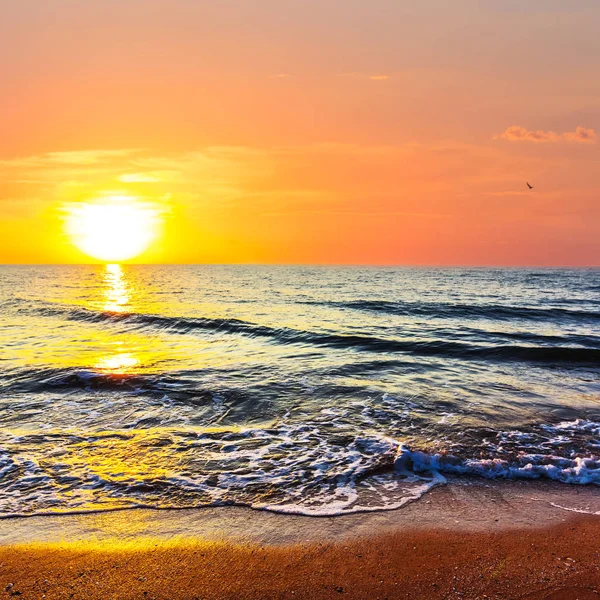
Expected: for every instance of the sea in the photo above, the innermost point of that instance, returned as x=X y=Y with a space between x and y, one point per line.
x=303 y=390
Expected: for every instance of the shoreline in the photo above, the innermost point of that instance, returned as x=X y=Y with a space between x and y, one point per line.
x=471 y=539
x=464 y=504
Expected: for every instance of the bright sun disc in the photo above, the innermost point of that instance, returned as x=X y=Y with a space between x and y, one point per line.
x=112 y=229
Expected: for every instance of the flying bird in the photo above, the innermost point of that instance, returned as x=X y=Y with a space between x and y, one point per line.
x=529 y=186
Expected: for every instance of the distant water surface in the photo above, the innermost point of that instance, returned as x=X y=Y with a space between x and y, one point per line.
x=304 y=390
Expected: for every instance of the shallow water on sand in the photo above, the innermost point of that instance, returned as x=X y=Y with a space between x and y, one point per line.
x=305 y=390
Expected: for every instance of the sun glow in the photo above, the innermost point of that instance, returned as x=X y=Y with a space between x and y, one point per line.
x=112 y=228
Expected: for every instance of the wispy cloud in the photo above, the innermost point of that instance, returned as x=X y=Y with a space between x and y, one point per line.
x=209 y=182
x=71 y=158
x=371 y=76
x=88 y=157
x=516 y=133
x=139 y=178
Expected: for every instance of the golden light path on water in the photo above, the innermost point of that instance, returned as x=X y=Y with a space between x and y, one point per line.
x=128 y=457
x=117 y=290
x=117 y=296
x=121 y=363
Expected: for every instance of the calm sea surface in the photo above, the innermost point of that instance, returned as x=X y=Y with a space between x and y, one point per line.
x=305 y=390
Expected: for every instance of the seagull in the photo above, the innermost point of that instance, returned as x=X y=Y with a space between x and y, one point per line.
x=529 y=186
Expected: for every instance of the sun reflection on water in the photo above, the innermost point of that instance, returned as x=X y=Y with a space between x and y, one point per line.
x=117 y=298
x=122 y=364
x=117 y=291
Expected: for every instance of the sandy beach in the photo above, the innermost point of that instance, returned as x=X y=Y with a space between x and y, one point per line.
x=515 y=543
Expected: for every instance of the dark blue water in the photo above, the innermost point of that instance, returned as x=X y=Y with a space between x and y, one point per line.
x=310 y=390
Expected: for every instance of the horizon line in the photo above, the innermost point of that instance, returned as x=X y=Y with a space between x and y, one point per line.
x=323 y=265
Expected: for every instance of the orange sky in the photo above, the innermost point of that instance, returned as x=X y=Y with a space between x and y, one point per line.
x=307 y=131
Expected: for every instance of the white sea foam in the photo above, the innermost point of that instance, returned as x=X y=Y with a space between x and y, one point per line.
x=575 y=469
x=6 y=464
x=582 y=511
x=580 y=425
x=390 y=492
x=322 y=468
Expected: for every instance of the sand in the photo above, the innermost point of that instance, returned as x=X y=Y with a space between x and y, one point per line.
x=531 y=564
x=465 y=544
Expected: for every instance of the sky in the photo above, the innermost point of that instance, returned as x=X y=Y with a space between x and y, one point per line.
x=306 y=131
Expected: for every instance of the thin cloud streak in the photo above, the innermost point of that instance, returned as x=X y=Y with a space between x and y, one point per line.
x=516 y=133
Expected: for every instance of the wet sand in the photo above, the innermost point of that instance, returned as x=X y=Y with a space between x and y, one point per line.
x=506 y=540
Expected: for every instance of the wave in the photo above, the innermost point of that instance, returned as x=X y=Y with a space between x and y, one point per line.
x=180 y=386
x=578 y=470
x=444 y=310
x=289 y=468
x=555 y=355
x=294 y=469
x=529 y=337
x=568 y=452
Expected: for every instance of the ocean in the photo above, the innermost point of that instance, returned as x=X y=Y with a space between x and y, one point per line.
x=304 y=390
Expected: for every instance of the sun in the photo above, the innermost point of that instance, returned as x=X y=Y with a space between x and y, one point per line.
x=112 y=228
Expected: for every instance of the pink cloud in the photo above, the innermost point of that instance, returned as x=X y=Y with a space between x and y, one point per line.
x=515 y=133
x=581 y=135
